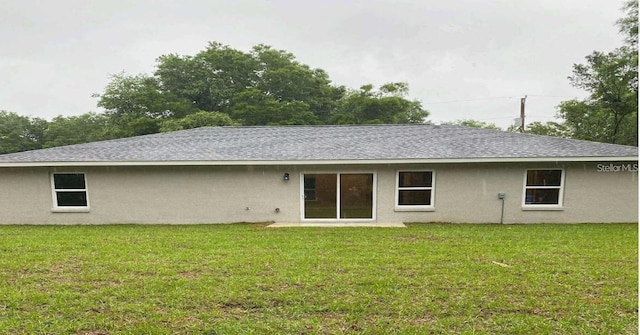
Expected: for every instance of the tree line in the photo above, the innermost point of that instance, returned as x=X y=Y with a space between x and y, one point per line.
x=219 y=86
x=223 y=86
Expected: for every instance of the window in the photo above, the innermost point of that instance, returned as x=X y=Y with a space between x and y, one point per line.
x=543 y=188
x=414 y=190
x=69 y=192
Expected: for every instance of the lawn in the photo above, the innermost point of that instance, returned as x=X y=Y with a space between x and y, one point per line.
x=249 y=279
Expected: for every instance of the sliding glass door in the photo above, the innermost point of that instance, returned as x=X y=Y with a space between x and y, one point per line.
x=339 y=196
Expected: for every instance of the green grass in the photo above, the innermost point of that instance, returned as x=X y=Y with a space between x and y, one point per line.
x=248 y=279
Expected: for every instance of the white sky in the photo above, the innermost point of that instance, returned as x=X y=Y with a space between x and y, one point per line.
x=462 y=58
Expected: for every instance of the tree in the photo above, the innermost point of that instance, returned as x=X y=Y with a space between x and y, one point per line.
x=130 y=97
x=285 y=80
x=385 y=105
x=199 y=119
x=260 y=87
x=610 y=112
x=474 y=124
x=253 y=107
x=88 y=127
x=210 y=78
x=549 y=128
x=137 y=105
x=20 y=133
x=628 y=25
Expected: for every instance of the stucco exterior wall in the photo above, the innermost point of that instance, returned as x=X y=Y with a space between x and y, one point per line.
x=211 y=194
x=469 y=193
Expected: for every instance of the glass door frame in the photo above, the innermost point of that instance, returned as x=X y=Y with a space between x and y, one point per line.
x=338 y=174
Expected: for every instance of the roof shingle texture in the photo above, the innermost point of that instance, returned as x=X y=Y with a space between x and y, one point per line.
x=290 y=143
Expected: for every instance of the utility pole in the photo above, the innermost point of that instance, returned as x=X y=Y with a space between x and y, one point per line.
x=522 y=101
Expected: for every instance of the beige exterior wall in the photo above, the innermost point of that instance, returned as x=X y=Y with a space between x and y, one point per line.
x=210 y=194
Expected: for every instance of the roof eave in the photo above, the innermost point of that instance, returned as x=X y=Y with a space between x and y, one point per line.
x=325 y=162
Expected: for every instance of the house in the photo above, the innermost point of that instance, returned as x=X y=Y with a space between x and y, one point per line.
x=323 y=174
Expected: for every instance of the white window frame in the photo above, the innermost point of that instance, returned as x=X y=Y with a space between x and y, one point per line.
x=54 y=193
x=543 y=207
x=415 y=208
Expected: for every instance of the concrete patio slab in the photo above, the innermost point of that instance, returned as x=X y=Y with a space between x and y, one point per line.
x=338 y=224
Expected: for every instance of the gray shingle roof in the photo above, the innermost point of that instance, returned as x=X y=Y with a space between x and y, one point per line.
x=324 y=143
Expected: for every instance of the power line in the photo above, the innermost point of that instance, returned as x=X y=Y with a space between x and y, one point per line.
x=497 y=98
x=467 y=100
x=495 y=118
x=551 y=96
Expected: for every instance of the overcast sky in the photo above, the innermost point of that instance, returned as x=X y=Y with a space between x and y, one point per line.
x=462 y=58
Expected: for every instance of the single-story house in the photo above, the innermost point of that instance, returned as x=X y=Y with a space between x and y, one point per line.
x=323 y=174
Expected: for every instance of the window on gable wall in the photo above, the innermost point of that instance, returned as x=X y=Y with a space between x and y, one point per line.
x=69 y=191
x=415 y=190
x=543 y=187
